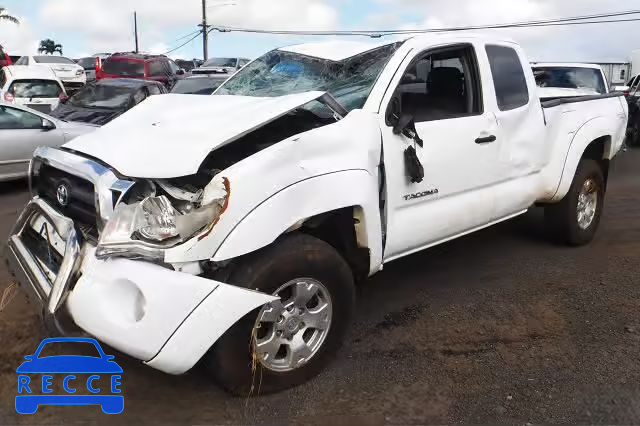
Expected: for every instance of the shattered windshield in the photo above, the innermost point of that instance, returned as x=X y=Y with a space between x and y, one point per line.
x=281 y=73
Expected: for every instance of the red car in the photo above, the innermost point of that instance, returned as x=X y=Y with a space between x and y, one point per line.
x=147 y=67
x=5 y=60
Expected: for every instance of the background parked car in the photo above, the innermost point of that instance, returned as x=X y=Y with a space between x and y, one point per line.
x=36 y=87
x=101 y=101
x=188 y=65
x=92 y=64
x=70 y=73
x=588 y=79
x=221 y=66
x=5 y=60
x=635 y=80
x=147 y=67
x=633 y=126
x=198 y=85
x=22 y=130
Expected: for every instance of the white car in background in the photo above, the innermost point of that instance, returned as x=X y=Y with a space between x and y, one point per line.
x=36 y=87
x=632 y=85
x=71 y=74
x=22 y=130
x=565 y=80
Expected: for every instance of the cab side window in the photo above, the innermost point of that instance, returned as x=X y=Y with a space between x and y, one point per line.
x=441 y=84
x=11 y=118
x=157 y=69
x=23 y=61
x=508 y=77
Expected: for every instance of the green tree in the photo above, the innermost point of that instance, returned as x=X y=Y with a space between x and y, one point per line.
x=4 y=16
x=49 y=47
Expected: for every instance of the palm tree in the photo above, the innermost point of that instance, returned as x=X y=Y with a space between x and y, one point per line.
x=4 y=16
x=49 y=47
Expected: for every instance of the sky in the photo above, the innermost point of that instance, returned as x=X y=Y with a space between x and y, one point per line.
x=85 y=27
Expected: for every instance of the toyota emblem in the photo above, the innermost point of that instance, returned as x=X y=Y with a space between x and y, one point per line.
x=62 y=195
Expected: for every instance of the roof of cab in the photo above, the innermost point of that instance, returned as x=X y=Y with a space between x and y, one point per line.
x=40 y=72
x=339 y=50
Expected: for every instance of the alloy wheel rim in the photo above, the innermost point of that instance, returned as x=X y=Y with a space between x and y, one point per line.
x=587 y=204
x=290 y=331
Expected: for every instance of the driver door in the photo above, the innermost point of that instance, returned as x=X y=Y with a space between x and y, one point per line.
x=442 y=91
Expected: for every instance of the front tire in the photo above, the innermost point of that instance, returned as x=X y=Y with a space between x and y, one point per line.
x=287 y=342
x=576 y=218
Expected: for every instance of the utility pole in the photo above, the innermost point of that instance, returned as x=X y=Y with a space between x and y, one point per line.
x=205 y=32
x=135 y=29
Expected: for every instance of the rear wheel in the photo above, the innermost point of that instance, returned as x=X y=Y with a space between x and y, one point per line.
x=576 y=218
x=286 y=342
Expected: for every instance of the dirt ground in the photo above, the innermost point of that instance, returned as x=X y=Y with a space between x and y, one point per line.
x=497 y=327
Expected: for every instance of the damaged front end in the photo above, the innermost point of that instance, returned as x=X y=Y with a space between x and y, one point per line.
x=90 y=247
x=164 y=218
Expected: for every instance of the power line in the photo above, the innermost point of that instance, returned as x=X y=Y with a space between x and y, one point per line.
x=185 y=36
x=577 y=20
x=183 y=44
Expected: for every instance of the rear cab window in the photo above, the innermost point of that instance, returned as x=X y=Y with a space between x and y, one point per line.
x=509 y=79
x=34 y=88
x=123 y=67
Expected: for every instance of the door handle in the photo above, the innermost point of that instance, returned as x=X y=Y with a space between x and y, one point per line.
x=487 y=139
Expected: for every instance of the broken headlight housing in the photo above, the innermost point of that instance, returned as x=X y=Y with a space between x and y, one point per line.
x=148 y=227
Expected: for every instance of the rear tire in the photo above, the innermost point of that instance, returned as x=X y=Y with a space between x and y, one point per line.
x=243 y=370
x=576 y=218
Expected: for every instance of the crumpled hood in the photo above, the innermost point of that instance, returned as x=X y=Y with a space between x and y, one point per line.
x=170 y=135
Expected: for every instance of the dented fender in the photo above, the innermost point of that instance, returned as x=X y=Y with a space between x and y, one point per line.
x=306 y=199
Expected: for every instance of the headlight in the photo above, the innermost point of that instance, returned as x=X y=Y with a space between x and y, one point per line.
x=154 y=224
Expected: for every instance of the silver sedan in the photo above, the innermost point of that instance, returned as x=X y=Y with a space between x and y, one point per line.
x=22 y=130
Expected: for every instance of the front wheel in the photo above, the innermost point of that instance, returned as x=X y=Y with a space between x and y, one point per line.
x=286 y=342
x=576 y=218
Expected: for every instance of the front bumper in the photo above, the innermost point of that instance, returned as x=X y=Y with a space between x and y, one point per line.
x=165 y=318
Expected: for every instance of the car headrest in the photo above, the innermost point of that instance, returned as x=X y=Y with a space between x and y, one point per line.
x=445 y=81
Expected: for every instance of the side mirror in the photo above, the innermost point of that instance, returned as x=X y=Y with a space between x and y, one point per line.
x=181 y=71
x=28 y=357
x=63 y=98
x=47 y=125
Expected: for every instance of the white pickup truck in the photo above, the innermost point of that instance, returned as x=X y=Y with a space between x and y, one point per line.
x=233 y=227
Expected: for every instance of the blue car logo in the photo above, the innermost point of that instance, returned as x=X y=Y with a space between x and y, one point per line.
x=32 y=392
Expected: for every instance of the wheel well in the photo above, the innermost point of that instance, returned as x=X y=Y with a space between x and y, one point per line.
x=596 y=151
x=338 y=228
